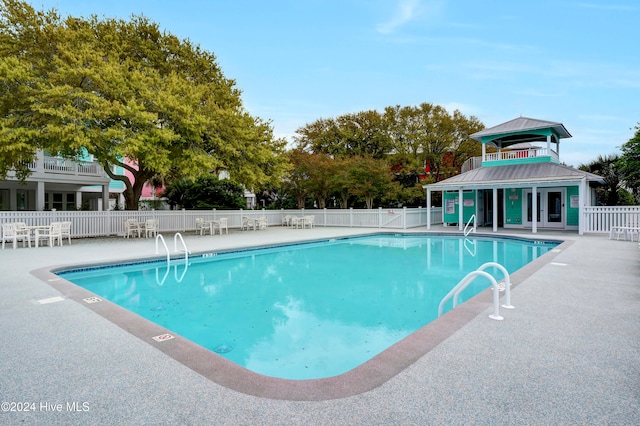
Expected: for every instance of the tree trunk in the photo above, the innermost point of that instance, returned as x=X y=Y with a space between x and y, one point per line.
x=369 y=201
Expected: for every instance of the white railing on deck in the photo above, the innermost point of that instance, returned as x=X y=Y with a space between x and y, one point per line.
x=108 y=223
x=67 y=166
x=600 y=219
x=518 y=154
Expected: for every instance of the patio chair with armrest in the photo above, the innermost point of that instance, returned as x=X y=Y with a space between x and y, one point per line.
x=262 y=222
x=51 y=234
x=202 y=226
x=308 y=221
x=151 y=228
x=222 y=224
x=66 y=230
x=131 y=227
x=10 y=233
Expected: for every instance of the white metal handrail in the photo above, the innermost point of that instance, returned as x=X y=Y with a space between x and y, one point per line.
x=159 y=237
x=468 y=279
x=175 y=245
x=177 y=235
x=467 y=232
x=507 y=282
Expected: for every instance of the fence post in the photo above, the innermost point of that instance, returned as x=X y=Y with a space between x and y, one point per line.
x=325 y=217
x=350 y=217
x=379 y=217
x=404 y=218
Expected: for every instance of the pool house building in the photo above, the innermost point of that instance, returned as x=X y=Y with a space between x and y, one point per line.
x=519 y=158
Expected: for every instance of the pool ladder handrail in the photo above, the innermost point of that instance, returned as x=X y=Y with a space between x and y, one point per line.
x=177 y=235
x=455 y=291
x=467 y=232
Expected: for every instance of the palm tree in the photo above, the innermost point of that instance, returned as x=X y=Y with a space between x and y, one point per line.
x=607 y=168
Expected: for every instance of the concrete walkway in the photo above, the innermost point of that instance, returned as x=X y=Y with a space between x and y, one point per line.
x=569 y=353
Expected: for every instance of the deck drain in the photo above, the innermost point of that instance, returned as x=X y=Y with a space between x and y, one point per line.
x=162 y=337
x=92 y=299
x=51 y=300
x=558 y=264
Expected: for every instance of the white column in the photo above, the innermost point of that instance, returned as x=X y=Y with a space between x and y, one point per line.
x=428 y=208
x=582 y=196
x=39 y=196
x=13 y=199
x=549 y=144
x=534 y=209
x=78 y=200
x=495 y=209
x=105 y=197
x=484 y=152
x=460 y=208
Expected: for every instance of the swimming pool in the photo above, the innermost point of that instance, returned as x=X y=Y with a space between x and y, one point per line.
x=306 y=311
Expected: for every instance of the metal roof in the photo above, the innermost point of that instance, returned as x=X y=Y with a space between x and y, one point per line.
x=516 y=175
x=522 y=125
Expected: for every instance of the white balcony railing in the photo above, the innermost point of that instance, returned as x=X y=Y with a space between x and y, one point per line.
x=518 y=154
x=476 y=162
x=68 y=167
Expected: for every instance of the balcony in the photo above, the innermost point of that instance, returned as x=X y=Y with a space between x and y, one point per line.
x=516 y=156
x=57 y=169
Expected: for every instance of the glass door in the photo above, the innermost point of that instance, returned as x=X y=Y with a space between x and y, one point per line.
x=530 y=207
x=550 y=208
x=554 y=207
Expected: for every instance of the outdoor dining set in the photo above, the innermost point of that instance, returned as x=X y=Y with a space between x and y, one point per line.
x=298 y=221
x=134 y=227
x=52 y=233
x=203 y=226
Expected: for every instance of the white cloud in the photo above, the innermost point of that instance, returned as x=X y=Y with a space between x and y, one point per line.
x=406 y=11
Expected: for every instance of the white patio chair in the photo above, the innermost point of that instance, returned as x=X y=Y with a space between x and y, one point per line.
x=22 y=229
x=262 y=222
x=202 y=226
x=295 y=221
x=308 y=221
x=246 y=223
x=286 y=220
x=222 y=224
x=66 y=230
x=51 y=234
x=9 y=233
x=151 y=228
x=131 y=227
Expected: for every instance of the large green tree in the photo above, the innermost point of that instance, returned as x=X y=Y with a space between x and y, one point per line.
x=370 y=178
x=128 y=94
x=363 y=133
x=629 y=164
x=206 y=192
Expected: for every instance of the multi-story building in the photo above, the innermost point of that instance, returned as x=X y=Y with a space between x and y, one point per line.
x=497 y=189
x=61 y=184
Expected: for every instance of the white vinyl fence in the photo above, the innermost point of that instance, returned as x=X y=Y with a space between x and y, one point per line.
x=598 y=219
x=108 y=223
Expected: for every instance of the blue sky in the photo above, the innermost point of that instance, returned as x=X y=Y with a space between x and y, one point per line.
x=574 y=62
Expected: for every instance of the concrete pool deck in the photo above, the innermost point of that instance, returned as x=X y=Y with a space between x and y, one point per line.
x=568 y=354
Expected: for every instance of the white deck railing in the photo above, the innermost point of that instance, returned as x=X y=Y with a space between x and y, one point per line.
x=600 y=219
x=517 y=154
x=108 y=223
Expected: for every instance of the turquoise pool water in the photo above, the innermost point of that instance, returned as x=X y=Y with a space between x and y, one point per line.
x=308 y=310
